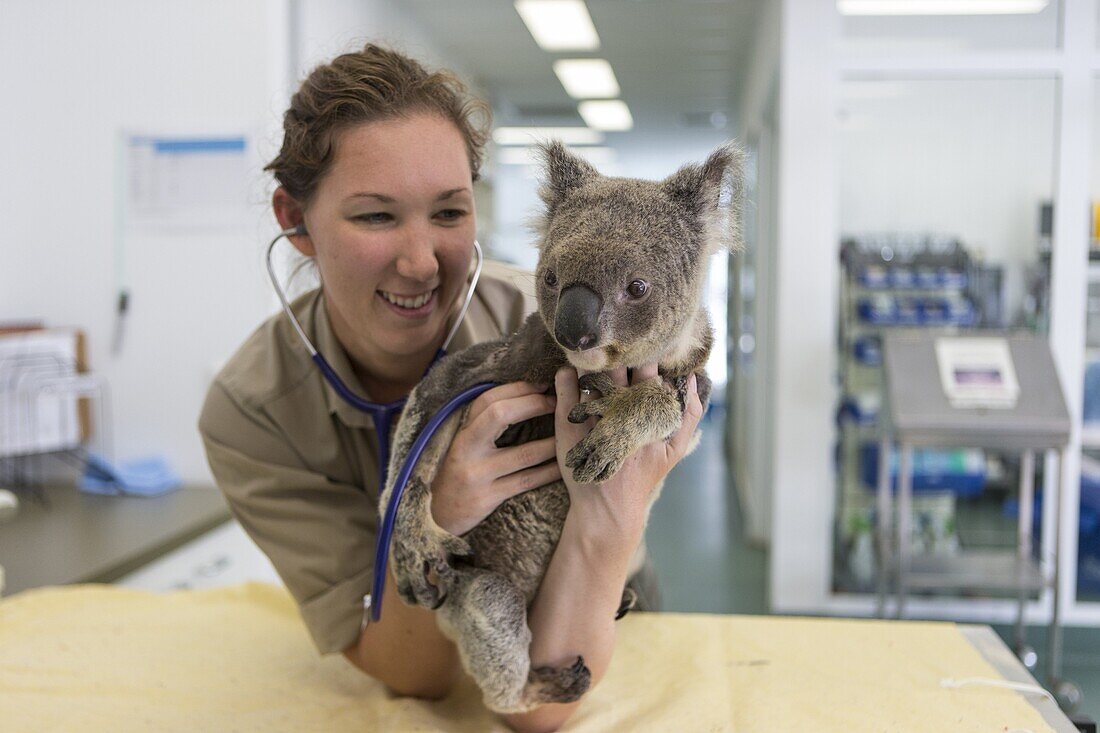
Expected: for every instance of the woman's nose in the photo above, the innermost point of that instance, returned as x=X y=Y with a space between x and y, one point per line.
x=417 y=260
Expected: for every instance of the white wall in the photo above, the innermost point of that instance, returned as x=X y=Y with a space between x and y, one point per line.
x=971 y=158
x=75 y=74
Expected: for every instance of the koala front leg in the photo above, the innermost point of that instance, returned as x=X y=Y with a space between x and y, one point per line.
x=630 y=417
x=423 y=552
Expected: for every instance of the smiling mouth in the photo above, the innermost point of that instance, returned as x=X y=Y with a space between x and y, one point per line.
x=408 y=302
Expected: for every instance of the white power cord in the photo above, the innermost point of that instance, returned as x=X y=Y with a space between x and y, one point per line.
x=1017 y=686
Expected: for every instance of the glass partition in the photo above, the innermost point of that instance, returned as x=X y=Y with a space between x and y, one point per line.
x=1088 y=546
x=945 y=191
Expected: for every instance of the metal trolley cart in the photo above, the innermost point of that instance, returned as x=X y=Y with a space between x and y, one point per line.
x=920 y=415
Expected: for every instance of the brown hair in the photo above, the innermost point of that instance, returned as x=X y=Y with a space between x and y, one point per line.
x=368 y=86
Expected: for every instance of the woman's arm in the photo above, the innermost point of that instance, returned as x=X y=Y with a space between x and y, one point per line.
x=574 y=610
x=405 y=650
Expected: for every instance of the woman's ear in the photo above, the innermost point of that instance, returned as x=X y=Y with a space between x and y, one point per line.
x=289 y=213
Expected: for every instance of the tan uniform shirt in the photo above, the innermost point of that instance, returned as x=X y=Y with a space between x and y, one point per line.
x=299 y=465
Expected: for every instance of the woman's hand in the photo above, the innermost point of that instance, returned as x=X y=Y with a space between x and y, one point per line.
x=476 y=476
x=616 y=509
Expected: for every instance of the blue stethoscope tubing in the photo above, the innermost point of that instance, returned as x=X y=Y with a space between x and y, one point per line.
x=382 y=415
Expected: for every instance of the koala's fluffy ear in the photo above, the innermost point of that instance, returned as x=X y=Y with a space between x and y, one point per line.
x=562 y=172
x=713 y=192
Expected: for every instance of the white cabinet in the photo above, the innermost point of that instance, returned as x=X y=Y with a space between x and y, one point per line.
x=223 y=556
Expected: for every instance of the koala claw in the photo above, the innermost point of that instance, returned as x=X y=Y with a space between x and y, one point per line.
x=419 y=586
x=415 y=586
x=594 y=459
x=584 y=410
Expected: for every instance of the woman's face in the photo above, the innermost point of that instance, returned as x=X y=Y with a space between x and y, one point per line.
x=392 y=226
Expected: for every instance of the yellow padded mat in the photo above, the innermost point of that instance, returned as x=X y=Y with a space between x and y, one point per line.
x=101 y=658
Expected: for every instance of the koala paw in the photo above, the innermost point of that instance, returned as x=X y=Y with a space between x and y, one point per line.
x=598 y=456
x=424 y=568
x=560 y=684
x=611 y=397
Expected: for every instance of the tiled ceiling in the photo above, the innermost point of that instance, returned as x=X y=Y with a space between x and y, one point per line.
x=678 y=62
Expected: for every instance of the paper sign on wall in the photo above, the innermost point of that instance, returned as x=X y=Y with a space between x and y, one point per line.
x=197 y=182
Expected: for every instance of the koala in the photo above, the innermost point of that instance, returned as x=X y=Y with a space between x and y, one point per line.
x=621 y=268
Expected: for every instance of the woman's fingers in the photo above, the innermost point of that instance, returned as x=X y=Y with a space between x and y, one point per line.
x=499 y=414
x=503 y=392
x=515 y=458
x=531 y=478
x=693 y=413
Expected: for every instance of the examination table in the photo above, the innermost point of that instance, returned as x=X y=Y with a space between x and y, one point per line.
x=238 y=658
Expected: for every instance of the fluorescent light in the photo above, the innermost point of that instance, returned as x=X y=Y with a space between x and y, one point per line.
x=940 y=7
x=601 y=157
x=529 y=135
x=608 y=114
x=587 y=78
x=559 y=25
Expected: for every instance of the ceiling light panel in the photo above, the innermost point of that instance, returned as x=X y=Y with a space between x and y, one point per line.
x=531 y=135
x=609 y=115
x=587 y=78
x=559 y=25
x=940 y=7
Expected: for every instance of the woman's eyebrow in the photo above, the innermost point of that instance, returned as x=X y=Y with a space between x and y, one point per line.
x=381 y=197
x=390 y=200
x=452 y=192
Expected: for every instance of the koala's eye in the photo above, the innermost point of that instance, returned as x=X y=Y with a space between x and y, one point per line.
x=637 y=289
x=550 y=278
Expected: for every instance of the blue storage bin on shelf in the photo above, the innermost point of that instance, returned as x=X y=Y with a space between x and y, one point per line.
x=908 y=312
x=902 y=277
x=867 y=350
x=874 y=276
x=952 y=278
x=961 y=312
x=1088 y=525
x=928 y=278
x=861 y=410
x=880 y=310
x=934 y=311
x=960 y=471
x=1088 y=538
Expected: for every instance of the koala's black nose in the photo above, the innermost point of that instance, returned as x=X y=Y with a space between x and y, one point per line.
x=577 y=323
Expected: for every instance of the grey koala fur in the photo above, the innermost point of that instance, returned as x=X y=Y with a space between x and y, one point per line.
x=597 y=235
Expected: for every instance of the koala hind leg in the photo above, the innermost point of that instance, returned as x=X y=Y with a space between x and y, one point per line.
x=486 y=616
x=423 y=550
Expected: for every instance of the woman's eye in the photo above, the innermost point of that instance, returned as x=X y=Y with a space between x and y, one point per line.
x=451 y=214
x=637 y=289
x=378 y=217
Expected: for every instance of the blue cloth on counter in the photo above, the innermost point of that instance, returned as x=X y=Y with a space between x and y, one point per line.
x=142 y=477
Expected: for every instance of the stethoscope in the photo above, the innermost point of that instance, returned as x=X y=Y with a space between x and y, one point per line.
x=382 y=415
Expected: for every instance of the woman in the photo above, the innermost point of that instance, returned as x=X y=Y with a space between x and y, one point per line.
x=378 y=163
